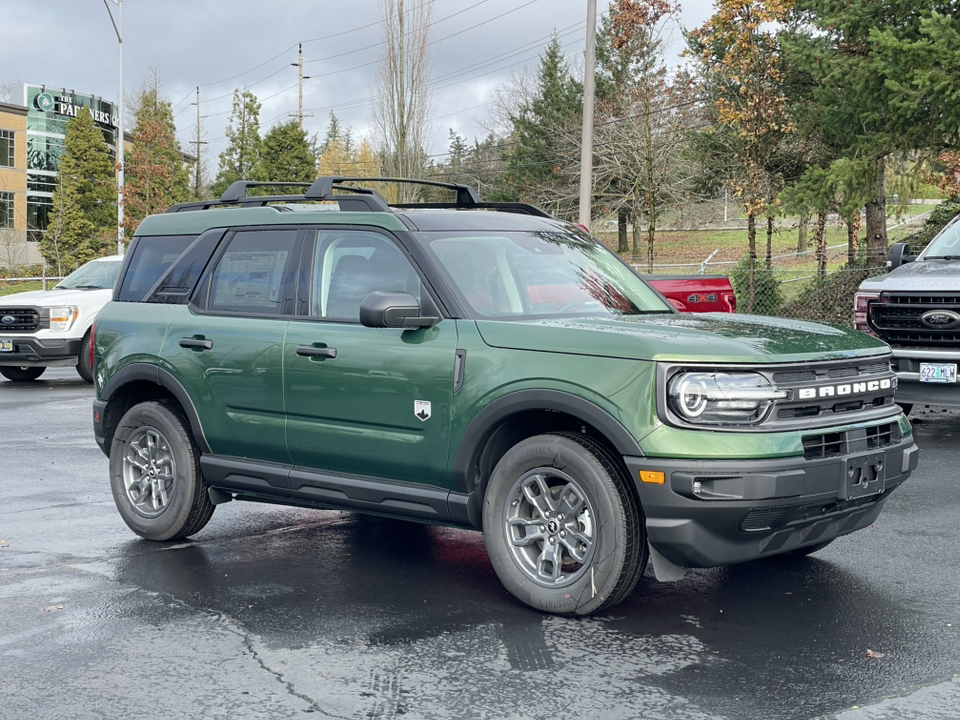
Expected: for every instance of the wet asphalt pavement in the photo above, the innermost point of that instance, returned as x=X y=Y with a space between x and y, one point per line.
x=274 y=612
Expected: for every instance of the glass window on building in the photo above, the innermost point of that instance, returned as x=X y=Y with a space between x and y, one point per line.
x=7 y=156
x=6 y=210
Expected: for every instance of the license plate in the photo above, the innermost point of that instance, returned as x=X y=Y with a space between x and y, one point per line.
x=864 y=475
x=938 y=372
x=6 y=345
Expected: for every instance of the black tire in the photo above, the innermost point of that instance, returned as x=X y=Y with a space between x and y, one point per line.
x=21 y=374
x=84 y=367
x=155 y=474
x=575 y=563
x=906 y=407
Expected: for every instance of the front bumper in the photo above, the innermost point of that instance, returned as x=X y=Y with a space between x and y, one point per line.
x=906 y=364
x=709 y=513
x=34 y=352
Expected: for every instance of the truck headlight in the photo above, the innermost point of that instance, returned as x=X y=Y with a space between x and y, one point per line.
x=63 y=318
x=721 y=398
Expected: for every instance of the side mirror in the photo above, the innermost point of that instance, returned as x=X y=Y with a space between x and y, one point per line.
x=899 y=254
x=393 y=310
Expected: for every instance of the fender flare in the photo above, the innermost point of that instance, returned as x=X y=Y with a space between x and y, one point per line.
x=574 y=405
x=151 y=373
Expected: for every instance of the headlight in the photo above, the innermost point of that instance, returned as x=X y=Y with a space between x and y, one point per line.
x=718 y=398
x=62 y=318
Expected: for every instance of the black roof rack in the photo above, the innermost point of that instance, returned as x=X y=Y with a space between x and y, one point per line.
x=360 y=199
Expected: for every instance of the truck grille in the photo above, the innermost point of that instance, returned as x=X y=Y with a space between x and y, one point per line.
x=24 y=320
x=897 y=319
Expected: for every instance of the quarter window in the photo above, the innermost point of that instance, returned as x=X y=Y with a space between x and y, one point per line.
x=7 y=156
x=255 y=274
x=349 y=265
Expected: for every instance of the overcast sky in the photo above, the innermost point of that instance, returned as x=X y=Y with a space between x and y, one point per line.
x=221 y=45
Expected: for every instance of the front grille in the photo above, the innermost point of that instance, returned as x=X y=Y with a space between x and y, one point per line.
x=875 y=437
x=24 y=320
x=897 y=319
x=824 y=445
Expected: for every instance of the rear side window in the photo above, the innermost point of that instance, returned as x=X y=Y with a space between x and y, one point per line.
x=255 y=275
x=150 y=256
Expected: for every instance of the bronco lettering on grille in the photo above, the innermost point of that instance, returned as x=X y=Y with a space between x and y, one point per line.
x=845 y=389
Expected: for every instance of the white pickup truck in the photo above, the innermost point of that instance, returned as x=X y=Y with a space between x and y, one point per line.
x=51 y=328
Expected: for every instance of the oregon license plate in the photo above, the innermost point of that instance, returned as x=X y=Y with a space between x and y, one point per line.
x=938 y=372
x=6 y=345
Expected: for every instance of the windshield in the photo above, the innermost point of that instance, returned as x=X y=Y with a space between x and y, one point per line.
x=94 y=275
x=539 y=274
x=946 y=244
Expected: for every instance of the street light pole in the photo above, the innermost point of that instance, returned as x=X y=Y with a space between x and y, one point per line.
x=119 y=141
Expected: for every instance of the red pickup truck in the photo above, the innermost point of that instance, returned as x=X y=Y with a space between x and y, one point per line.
x=696 y=293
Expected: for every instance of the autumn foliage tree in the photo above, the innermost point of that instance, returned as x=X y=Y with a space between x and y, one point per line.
x=157 y=175
x=739 y=54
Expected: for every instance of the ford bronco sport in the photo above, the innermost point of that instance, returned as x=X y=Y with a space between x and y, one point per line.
x=479 y=365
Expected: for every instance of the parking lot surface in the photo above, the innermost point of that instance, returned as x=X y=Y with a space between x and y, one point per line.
x=273 y=612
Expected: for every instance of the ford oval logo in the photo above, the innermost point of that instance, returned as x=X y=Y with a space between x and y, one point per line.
x=8 y=320
x=941 y=319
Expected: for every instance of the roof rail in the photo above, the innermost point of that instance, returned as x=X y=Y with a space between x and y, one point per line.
x=359 y=199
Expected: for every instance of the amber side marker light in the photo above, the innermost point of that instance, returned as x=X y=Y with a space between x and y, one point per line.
x=652 y=476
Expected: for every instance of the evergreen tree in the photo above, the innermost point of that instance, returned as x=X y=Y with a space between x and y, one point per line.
x=541 y=160
x=241 y=159
x=84 y=216
x=847 y=60
x=156 y=174
x=286 y=155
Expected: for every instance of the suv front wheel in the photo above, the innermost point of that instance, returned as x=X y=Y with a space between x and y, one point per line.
x=155 y=474
x=562 y=529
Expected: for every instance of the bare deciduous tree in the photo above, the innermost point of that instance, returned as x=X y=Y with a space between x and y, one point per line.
x=401 y=96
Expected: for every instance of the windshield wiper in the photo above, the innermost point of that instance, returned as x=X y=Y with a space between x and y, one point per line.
x=942 y=257
x=86 y=287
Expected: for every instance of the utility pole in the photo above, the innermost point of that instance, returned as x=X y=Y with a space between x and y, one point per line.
x=586 y=141
x=303 y=77
x=119 y=140
x=198 y=142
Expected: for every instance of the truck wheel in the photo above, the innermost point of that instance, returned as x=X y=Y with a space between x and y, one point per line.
x=21 y=374
x=562 y=529
x=155 y=474
x=84 y=370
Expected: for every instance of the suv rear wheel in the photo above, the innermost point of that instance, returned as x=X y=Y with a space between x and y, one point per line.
x=21 y=374
x=155 y=474
x=562 y=529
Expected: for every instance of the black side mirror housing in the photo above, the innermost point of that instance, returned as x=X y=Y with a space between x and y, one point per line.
x=899 y=254
x=393 y=310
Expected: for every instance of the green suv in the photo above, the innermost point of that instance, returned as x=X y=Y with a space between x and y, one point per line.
x=485 y=366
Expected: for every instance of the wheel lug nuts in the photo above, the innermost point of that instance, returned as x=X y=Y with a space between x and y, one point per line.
x=563 y=533
x=543 y=528
x=553 y=541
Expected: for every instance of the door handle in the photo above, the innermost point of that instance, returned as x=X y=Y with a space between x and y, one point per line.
x=196 y=343
x=311 y=351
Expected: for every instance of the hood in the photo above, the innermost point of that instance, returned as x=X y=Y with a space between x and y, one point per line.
x=54 y=298
x=934 y=275
x=708 y=337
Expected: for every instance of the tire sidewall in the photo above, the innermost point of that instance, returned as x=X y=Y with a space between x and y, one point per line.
x=592 y=589
x=84 y=369
x=169 y=522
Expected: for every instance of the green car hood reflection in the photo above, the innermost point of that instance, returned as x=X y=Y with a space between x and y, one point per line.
x=687 y=338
